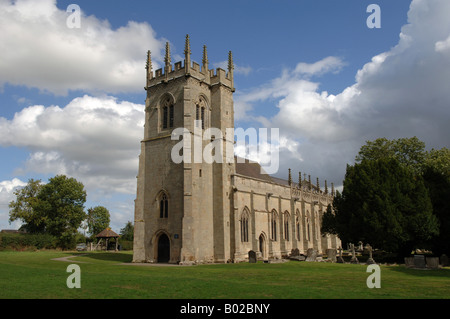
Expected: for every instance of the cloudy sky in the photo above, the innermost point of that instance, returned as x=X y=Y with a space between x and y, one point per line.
x=72 y=99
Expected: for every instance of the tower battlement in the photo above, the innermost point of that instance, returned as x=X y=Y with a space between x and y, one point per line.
x=189 y=68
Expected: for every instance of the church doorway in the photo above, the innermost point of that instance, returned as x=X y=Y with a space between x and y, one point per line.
x=262 y=246
x=163 y=249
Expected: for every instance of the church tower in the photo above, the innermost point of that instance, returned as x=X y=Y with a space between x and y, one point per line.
x=182 y=206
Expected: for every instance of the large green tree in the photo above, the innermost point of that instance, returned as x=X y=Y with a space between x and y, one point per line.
x=432 y=165
x=60 y=203
x=98 y=218
x=385 y=204
x=23 y=207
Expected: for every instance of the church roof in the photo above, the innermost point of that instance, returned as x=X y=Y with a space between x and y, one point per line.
x=253 y=169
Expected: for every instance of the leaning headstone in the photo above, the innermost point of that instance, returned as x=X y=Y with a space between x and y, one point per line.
x=331 y=254
x=432 y=262
x=370 y=261
x=409 y=262
x=419 y=261
x=444 y=260
x=311 y=254
x=252 y=256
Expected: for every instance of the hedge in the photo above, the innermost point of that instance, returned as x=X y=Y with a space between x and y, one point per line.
x=27 y=241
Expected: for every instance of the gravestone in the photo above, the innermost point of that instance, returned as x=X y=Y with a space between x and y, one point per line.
x=370 y=261
x=340 y=260
x=354 y=260
x=444 y=261
x=409 y=262
x=295 y=255
x=311 y=254
x=419 y=261
x=295 y=252
x=331 y=254
x=432 y=262
x=252 y=256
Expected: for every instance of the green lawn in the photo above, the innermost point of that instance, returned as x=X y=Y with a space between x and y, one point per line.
x=36 y=275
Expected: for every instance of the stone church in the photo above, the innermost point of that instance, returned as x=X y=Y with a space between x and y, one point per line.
x=202 y=212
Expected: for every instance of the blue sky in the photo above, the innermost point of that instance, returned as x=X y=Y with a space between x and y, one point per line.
x=71 y=100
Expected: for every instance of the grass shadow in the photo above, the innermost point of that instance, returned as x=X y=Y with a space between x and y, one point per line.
x=441 y=272
x=109 y=256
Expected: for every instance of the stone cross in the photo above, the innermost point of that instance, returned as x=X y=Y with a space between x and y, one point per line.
x=354 y=260
x=370 y=260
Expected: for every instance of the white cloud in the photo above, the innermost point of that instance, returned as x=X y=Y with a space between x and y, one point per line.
x=95 y=139
x=40 y=51
x=323 y=66
x=400 y=93
x=442 y=46
x=7 y=189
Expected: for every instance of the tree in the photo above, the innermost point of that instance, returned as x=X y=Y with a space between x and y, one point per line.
x=98 y=218
x=23 y=207
x=385 y=204
x=408 y=151
x=439 y=161
x=329 y=225
x=127 y=233
x=438 y=185
x=60 y=203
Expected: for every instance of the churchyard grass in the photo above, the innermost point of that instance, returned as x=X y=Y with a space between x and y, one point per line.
x=110 y=275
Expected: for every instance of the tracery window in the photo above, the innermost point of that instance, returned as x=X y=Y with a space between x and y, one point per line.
x=244 y=226
x=286 y=225
x=273 y=225
x=167 y=113
x=163 y=206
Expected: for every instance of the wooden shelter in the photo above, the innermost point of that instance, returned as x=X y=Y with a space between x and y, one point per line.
x=106 y=235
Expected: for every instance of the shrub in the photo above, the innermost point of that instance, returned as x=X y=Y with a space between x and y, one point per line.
x=27 y=241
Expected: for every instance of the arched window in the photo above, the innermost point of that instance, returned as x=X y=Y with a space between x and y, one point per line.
x=244 y=226
x=273 y=225
x=200 y=113
x=297 y=225
x=167 y=113
x=286 y=225
x=163 y=206
x=308 y=228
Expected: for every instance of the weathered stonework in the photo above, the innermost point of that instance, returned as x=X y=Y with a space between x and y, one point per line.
x=199 y=212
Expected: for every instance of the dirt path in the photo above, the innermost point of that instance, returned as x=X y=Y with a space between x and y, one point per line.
x=66 y=259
